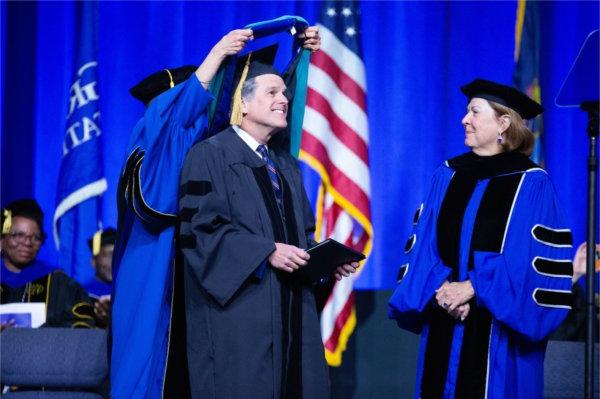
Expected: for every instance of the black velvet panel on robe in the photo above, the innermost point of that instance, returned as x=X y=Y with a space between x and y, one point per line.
x=290 y=289
x=505 y=172
x=177 y=381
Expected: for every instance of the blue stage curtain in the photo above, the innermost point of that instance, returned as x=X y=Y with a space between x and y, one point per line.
x=417 y=54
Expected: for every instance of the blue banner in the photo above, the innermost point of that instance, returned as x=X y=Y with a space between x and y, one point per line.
x=81 y=180
x=527 y=65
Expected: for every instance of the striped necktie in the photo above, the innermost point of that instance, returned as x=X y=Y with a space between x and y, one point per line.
x=275 y=182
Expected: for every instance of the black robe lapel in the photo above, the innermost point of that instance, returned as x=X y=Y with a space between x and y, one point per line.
x=488 y=234
x=505 y=171
x=285 y=230
x=264 y=184
x=441 y=326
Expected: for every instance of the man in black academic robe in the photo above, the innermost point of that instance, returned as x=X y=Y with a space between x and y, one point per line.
x=252 y=324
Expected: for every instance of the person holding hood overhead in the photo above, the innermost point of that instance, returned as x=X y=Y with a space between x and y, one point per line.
x=148 y=351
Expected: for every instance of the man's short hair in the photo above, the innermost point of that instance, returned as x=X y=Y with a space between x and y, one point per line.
x=248 y=88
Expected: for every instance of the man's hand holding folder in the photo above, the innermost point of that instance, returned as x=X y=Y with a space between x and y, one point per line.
x=327 y=258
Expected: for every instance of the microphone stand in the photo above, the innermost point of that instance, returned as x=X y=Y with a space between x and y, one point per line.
x=592 y=108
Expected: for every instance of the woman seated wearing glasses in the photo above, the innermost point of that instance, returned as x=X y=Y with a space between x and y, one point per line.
x=24 y=279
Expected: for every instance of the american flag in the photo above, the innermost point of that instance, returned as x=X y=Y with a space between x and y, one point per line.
x=335 y=141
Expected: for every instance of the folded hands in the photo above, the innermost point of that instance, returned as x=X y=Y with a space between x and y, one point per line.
x=455 y=297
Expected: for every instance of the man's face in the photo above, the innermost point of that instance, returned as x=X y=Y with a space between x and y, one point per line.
x=266 y=108
x=22 y=243
x=103 y=263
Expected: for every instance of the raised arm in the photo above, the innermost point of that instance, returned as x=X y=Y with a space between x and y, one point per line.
x=232 y=43
x=311 y=38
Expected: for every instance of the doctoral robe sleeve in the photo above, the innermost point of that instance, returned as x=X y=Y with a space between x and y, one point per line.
x=422 y=271
x=172 y=123
x=221 y=254
x=69 y=305
x=527 y=286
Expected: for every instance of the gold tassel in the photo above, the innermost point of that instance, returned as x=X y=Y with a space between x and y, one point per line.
x=6 y=225
x=96 y=241
x=171 y=83
x=236 y=104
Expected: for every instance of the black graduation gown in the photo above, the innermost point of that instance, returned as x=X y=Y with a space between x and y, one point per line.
x=249 y=335
x=67 y=303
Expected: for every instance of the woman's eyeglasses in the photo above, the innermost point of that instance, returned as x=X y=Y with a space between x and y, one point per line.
x=22 y=238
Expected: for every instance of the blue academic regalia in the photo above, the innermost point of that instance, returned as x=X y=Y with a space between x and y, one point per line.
x=494 y=221
x=144 y=253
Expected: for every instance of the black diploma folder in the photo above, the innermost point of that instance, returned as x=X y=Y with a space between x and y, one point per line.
x=326 y=256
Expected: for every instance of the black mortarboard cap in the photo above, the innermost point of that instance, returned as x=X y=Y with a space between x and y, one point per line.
x=505 y=95
x=28 y=208
x=159 y=82
x=261 y=63
x=256 y=63
x=106 y=237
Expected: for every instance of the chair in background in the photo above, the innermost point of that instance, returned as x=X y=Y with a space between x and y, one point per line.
x=54 y=362
x=564 y=370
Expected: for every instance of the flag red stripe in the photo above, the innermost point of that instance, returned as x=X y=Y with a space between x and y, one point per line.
x=342 y=131
x=345 y=186
x=348 y=241
x=362 y=243
x=359 y=246
x=345 y=83
x=332 y=215
x=340 y=321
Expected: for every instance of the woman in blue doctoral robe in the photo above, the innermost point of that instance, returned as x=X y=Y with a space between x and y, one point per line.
x=487 y=274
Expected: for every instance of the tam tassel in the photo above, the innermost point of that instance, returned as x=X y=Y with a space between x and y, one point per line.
x=6 y=225
x=236 y=105
x=96 y=241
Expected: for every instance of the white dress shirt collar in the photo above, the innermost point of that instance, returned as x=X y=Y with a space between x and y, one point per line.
x=248 y=139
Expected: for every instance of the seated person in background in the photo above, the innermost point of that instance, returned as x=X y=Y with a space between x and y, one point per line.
x=99 y=289
x=23 y=278
x=573 y=328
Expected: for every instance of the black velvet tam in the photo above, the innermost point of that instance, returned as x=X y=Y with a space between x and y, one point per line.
x=108 y=236
x=261 y=63
x=28 y=208
x=502 y=94
x=159 y=82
